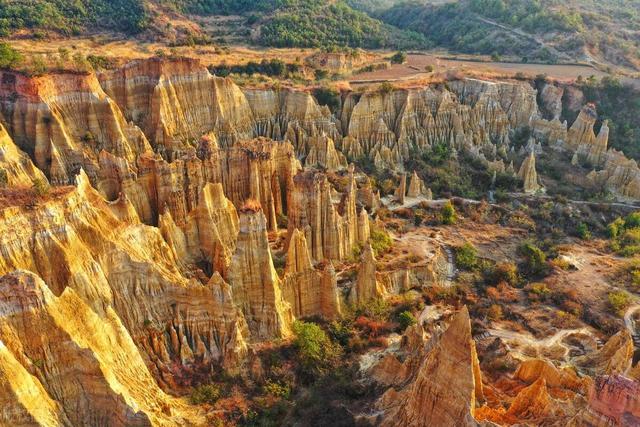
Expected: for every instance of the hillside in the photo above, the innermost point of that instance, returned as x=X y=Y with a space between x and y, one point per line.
x=541 y=30
x=280 y=23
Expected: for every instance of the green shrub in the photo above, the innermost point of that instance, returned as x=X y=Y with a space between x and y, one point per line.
x=467 y=256
x=380 y=241
x=583 y=231
x=615 y=228
x=406 y=319
x=276 y=389
x=619 y=301
x=535 y=259
x=9 y=57
x=316 y=353
x=399 y=58
x=448 y=214
x=208 y=393
x=540 y=289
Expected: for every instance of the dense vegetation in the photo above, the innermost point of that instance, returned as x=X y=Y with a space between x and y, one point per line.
x=545 y=30
x=72 y=17
x=306 y=23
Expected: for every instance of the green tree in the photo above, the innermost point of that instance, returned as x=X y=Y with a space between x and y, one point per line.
x=448 y=214
x=316 y=352
x=399 y=58
x=9 y=57
x=467 y=256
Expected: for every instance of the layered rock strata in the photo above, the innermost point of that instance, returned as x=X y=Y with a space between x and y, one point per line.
x=446 y=386
x=16 y=168
x=257 y=289
x=331 y=229
x=62 y=363
x=80 y=242
x=310 y=291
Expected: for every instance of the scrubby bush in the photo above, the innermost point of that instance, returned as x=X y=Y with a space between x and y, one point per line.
x=208 y=393
x=619 y=301
x=399 y=58
x=315 y=351
x=535 y=260
x=406 y=319
x=277 y=389
x=380 y=241
x=448 y=214
x=466 y=256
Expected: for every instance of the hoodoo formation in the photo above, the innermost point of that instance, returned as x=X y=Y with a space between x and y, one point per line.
x=190 y=242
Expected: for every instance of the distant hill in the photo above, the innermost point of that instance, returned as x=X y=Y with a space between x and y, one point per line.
x=280 y=23
x=546 y=30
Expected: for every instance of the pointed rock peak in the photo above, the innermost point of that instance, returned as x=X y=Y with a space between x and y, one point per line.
x=532 y=401
x=401 y=191
x=528 y=174
x=213 y=194
x=446 y=384
x=82 y=182
x=298 y=258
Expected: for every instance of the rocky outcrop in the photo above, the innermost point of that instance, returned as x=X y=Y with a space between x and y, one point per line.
x=209 y=232
x=613 y=400
x=257 y=289
x=16 y=168
x=551 y=101
x=63 y=122
x=62 y=363
x=532 y=402
x=417 y=187
x=323 y=154
x=446 y=387
x=77 y=242
x=257 y=169
x=401 y=191
x=533 y=370
x=367 y=287
x=290 y=115
x=615 y=357
x=177 y=101
x=331 y=231
x=309 y=291
x=528 y=174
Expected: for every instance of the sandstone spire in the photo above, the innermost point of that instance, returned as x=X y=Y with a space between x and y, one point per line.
x=446 y=387
x=417 y=187
x=529 y=175
x=366 y=287
x=401 y=191
x=254 y=281
x=310 y=292
x=324 y=154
